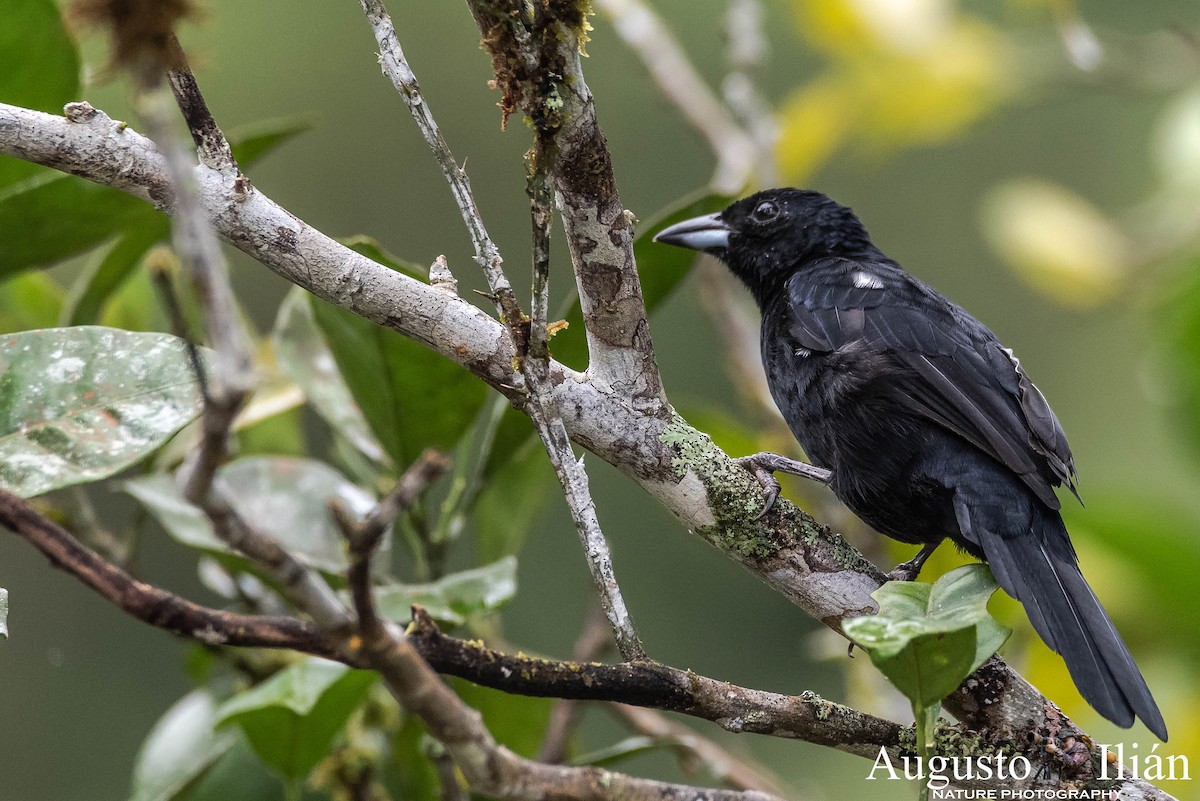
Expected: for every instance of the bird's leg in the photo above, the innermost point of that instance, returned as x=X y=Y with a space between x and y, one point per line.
x=765 y=465
x=908 y=571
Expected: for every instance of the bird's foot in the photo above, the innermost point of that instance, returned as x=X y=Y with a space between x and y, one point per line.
x=765 y=465
x=908 y=571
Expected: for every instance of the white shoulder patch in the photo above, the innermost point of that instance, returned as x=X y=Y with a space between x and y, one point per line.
x=803 y=352
x=864 y=280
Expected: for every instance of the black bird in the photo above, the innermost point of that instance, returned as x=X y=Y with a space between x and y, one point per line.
x=929 y=427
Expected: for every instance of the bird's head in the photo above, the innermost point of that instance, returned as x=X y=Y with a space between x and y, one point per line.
x=766 y=237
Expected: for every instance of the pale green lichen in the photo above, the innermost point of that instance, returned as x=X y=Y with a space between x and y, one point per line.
x=735 y=500
x=733 y=495
x=950 y=741
x=822 y=708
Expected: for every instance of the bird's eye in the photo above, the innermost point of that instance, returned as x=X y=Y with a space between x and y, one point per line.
x=765 y=212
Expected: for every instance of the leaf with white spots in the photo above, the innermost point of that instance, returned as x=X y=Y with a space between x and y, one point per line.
x=80 y=404
x=283 y=497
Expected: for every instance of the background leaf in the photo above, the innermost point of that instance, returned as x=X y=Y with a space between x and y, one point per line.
x=455 y=597
x=412 y=397
x=283 y=497
x=181 y=746
x=292 y=718
x=80 y=404
x=28 y=301
x=305 y=358
x=39 y=68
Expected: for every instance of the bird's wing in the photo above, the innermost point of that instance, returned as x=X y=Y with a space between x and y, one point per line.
x=949 y=368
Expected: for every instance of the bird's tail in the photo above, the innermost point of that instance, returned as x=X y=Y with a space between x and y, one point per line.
x=1039 y=568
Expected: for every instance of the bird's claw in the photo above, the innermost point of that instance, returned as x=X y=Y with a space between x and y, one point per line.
x=908 y=571
x=764 y=465
x=766 y=479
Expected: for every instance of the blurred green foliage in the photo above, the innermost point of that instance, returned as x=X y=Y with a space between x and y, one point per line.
x=1065 y=137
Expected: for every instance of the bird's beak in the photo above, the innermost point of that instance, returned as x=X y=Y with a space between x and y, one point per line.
x=709 y=234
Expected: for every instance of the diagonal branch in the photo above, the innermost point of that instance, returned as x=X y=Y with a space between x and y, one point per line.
x=227 y=384
x=152 y=605
x=395 y=67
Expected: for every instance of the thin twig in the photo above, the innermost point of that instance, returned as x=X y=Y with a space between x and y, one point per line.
x=647 y=683
x=488 y=767
x=363 y=537
x=744 y=21
x=211 y=145
x=395 y=67
x=532 y=362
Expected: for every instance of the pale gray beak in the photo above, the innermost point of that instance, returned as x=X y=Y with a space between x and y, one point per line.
x=709 y=234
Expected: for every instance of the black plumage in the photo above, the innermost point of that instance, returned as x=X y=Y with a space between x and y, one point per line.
x=930 y=427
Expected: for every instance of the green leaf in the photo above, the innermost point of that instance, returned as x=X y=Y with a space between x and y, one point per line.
x=53 y=216
x=292 y=718
x=250 y=144
x=80 y=404
x=3 y=613
x=1177 y=330
x=455 y=597
x=238 y=773
x=511 y=498
x=110 y=269
x=181 y=747
x=516 y=721
x=369 y=246
x=660 y=270
x=408 y=773
x=39 y=68
x=28 y=301
x=927 y=638
x=305 y=358
x=470 y=461
x=412 y=397
x=283 y=497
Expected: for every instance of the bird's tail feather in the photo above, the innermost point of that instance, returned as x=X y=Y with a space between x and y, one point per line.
x=1039 y=568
